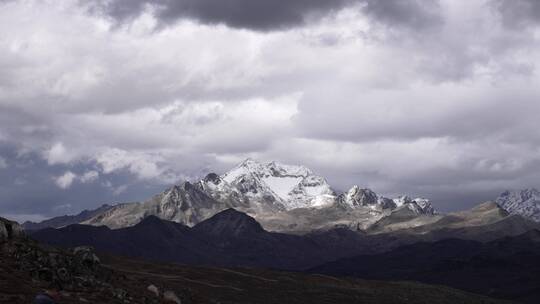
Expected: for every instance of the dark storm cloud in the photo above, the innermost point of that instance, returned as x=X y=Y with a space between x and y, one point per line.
x=262 y=15
x=266 y=15
x=518 y=13
x=417 y=14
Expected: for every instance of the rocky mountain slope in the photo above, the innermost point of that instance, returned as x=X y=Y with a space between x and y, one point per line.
x=229 y=238
x=281 y=197
x=65 y=220
x=522 y=202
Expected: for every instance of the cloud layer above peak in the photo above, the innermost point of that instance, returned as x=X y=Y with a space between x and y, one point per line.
x=114 y=100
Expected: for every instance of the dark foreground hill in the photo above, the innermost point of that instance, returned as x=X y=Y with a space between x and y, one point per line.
x=254 y=286
x=27 y=267
x=505 y=268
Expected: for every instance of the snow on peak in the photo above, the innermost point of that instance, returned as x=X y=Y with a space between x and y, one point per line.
x=288 y=185
x=524 y=202
x=418 y=205
x=358 y=197
x=260 y=189
x=361 y=197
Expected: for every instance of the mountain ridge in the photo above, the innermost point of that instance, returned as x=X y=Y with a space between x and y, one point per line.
x=525 y=202
x=233 y=238
x=273 y=193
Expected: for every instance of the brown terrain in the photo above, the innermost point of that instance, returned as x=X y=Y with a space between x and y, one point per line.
x=27 y=267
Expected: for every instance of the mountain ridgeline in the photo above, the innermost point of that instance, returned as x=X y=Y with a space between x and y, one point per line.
x=275 y=216
x=233 y=238
x=483 y=250
x=281 y=197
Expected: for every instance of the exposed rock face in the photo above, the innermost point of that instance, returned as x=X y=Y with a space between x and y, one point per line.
x=358 y=197
x=521 y=202
x=186 y=204
x=281 y=197
x=62 y=221
x=418 y=205
x=10 y=230
x=283 y=186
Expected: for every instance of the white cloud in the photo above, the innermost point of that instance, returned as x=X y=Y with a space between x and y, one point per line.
x=63 y=207
x=144 y=166
x=356 y=99
x=58 y=154
x=66 y=180
x=120 y=189
x=89 y=176
x=3 y=163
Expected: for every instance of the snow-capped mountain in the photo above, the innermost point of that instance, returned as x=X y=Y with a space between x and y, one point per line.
x=357 y=197
x=522 y=202
x=186 y=204
x=284 y=186
x=281 y=197
x=417 y=205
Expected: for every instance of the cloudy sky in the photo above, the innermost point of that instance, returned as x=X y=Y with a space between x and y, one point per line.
x=105 y=101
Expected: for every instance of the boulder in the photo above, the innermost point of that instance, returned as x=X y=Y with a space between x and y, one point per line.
x=86 y=255
x=153 y=289
x=170 y=297
x=10 y=230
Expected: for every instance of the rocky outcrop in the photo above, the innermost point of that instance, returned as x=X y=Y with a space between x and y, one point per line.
x=77 y=273
x=524 y=202
x=10 y=230
x=78 y=268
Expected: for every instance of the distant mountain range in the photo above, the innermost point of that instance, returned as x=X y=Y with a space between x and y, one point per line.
x=27 y=267
x=484 y=250
x=285 y=217
x=66 y=220
x=233 y=238
x=281 y=197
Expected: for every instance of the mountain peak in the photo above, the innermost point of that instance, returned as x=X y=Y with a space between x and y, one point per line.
x=525 y=202
x=229 y=222
x=279 y=185
x=262 y=189
x=248 y=161
x=213 y=178
x=524 y=194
